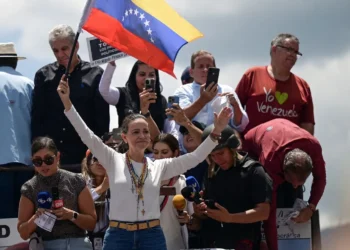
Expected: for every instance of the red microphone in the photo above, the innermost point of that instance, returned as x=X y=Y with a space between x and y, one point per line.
x=56 y=201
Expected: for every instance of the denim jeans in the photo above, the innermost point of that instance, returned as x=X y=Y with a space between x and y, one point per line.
x=146 y=239
x=68 y=244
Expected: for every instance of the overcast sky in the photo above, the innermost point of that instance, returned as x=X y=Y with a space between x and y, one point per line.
x=238 y=33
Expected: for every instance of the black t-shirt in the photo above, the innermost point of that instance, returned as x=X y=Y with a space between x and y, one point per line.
x=238 y=189
x=198 y=172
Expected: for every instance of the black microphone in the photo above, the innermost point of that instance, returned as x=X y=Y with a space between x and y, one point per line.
x=190 y=194
x=57 y=202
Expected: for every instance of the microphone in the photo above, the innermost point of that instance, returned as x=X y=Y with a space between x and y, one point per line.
x=179 y=203
x=44 y=200
x=191 y=195
x=57 y=202
x=192 y=182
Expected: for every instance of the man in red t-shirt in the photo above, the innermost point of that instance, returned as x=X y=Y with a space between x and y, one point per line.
x=272 y=91
x=288 y=153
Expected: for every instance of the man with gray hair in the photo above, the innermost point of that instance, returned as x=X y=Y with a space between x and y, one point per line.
x=273 y=91
x=288 y=154
x=48 y=118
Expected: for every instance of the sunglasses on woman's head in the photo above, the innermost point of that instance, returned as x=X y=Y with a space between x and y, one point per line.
x=94 y=159
x=48 y=160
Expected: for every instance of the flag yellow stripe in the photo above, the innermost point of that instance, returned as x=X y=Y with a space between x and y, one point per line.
x=164 y=13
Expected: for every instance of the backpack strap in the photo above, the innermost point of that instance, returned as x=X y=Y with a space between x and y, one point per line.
x=250 y=163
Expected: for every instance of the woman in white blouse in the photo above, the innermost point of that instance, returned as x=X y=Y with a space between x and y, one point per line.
x=134 y=98
x=134 y=179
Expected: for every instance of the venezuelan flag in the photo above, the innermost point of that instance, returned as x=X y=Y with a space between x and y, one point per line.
x=149 y=30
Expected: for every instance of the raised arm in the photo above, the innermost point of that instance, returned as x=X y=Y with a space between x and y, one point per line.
x=193 y=108
x=99 y=190
x=180 y=117
x=109 y=93
x=175 y=166
x=147 y=96
x=240 y=119
x=102 y=152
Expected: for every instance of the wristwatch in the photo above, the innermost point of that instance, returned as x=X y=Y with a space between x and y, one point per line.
x=148 y=114
x=75 y=216
x=311 y=207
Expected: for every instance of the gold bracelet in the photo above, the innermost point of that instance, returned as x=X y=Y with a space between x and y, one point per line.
x=215 y=137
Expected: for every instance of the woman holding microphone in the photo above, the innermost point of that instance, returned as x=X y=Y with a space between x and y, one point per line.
x=134 y=179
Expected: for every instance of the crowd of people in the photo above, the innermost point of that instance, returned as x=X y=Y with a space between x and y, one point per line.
x=249 y=150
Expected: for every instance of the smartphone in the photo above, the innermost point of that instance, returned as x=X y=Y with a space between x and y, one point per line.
x=116 y=133
x=150 y=84
x=213 y=76
x=166 y=190
x=210 y=204
x=171 y=101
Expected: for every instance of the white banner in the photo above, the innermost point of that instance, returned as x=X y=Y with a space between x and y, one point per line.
x=8 y=233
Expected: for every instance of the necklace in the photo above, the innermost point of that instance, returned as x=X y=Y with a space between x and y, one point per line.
x=138 y=181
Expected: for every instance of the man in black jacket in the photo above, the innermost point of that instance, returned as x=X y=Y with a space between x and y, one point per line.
x=48 y=118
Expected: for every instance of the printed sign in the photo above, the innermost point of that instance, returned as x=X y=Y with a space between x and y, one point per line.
x=101 y=53
x=46 y=221
x=8 y=233
x=292 y=235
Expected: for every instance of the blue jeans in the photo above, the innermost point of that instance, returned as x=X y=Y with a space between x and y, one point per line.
x=146 y=239
x=68 y=244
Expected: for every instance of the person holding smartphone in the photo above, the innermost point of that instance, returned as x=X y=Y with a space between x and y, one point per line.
x=134 y=179
x=141 y=95
x=197 y=98
x=237 y=195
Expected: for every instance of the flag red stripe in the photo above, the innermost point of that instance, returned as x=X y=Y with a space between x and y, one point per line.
x=112 y=32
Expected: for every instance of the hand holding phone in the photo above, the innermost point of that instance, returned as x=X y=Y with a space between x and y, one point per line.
x=210 y=204
x=150 y=84
x=171 y=101
x=212 y=76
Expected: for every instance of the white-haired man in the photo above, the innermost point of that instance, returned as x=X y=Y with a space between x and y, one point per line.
x=47 y=116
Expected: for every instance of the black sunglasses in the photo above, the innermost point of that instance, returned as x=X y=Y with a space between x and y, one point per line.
x=48 y=160
x=94 y=159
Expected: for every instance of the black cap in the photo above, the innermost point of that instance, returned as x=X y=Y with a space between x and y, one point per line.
x=199 y=125
x=186 y=74
x=228 y=137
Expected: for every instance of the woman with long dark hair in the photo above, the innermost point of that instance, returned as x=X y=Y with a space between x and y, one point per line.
x=134 y=179
x=134 y=98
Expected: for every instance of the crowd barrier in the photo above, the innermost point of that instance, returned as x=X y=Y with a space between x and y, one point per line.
x=309 y=232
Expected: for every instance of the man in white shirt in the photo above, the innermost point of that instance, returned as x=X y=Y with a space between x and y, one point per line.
x=199 y=103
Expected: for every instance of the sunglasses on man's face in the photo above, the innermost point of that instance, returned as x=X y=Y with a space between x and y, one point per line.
x=48 y=160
